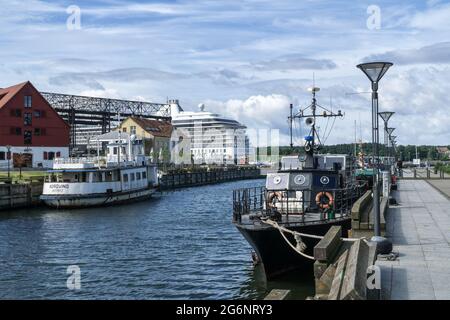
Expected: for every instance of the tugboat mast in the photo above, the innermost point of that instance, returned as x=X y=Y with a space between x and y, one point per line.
x=291 y=106
x=310 y=120
x=313 y=132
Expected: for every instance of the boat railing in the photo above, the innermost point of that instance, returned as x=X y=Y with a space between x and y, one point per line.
x=261 y=202
x=79 y=160
x=89 y=162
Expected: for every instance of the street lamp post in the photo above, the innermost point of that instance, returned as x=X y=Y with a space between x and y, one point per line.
x=392 y=140
x=386 y=115
x=394 y=149
x=389 y=132
x=375 y=71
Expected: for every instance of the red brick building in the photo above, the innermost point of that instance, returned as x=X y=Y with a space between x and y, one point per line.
x=31 y=127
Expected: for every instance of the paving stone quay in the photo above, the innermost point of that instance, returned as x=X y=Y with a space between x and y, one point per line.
x=419 y=228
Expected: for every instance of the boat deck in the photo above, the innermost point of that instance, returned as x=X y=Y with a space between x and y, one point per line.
x=420 y=231
x=250 y=222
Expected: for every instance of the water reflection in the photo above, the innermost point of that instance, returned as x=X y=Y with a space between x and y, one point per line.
x=179 y=246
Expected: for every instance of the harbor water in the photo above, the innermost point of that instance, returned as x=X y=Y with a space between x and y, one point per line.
x=180 y=245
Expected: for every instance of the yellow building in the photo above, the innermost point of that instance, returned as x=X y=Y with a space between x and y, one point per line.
x=155 y=135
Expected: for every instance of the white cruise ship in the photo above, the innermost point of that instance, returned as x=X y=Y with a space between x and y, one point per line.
x=214 y=139
x=123 y=175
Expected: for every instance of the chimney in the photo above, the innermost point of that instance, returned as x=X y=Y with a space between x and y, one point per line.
x=174 y=107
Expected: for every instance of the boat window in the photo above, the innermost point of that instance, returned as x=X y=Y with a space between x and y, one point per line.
x=100 y=177
x=138 y=176
x=76 y=178
x=83 y=177
x=132 y=176
x=109 y=176
x=125 y=177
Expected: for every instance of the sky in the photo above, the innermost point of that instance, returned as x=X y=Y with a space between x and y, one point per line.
x=246 y=59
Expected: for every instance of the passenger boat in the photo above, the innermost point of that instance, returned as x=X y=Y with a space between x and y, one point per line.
x=121 y=176
x=308 y=194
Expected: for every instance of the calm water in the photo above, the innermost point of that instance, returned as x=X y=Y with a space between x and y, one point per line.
x=181 y=245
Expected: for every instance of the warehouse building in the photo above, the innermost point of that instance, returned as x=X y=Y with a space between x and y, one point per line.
x=32 y=133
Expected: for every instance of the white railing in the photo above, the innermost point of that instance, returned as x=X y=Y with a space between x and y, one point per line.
x=82 y=160
x=91 y=162
x=78 y=163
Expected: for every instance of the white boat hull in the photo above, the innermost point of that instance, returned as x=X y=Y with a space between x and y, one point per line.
x=95 y=200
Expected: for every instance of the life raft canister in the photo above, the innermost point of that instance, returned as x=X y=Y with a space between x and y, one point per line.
x=319 y=201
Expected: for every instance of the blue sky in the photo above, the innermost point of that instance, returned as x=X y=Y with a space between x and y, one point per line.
x=247 y=59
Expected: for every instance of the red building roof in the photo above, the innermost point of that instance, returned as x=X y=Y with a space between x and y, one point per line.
x=7 y=94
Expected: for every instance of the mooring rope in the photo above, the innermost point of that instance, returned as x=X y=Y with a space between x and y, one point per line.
x=277 y=226
x=301 y=246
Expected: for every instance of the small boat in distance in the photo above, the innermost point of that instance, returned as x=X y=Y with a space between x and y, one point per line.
x=123 y=175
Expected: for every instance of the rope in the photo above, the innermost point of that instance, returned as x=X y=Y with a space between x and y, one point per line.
x=301 y=246
x=277 y=226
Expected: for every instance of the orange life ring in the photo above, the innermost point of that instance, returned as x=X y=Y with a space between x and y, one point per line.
x=271 y=197
x=324 y=205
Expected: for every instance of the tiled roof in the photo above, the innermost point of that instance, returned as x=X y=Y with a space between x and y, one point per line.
x=154 y=127
x=7 y=93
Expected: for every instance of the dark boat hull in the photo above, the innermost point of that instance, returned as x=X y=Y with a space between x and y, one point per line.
x=276 y=255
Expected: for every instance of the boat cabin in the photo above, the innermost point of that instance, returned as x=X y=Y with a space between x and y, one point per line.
x=298 y=188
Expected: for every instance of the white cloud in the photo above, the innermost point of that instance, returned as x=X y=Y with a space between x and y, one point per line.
x=435 y=53
x=241 y=57
x=129 y=9
x=256 y=111
x=434 y=18
x=294 y=61
x=108 y=93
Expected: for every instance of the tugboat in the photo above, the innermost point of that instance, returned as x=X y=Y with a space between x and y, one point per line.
x=123 y=175
x=284 y=220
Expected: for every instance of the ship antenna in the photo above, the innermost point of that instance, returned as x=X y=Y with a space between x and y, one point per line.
x=313 y=109
x=312 y=141
x=290 y=125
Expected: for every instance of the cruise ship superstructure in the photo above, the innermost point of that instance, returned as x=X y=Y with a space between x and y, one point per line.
x=212 y=138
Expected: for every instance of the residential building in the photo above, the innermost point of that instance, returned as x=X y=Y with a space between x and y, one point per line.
x=443 y=151
x=31 y=128
x=118 y=146
x=155 y=136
